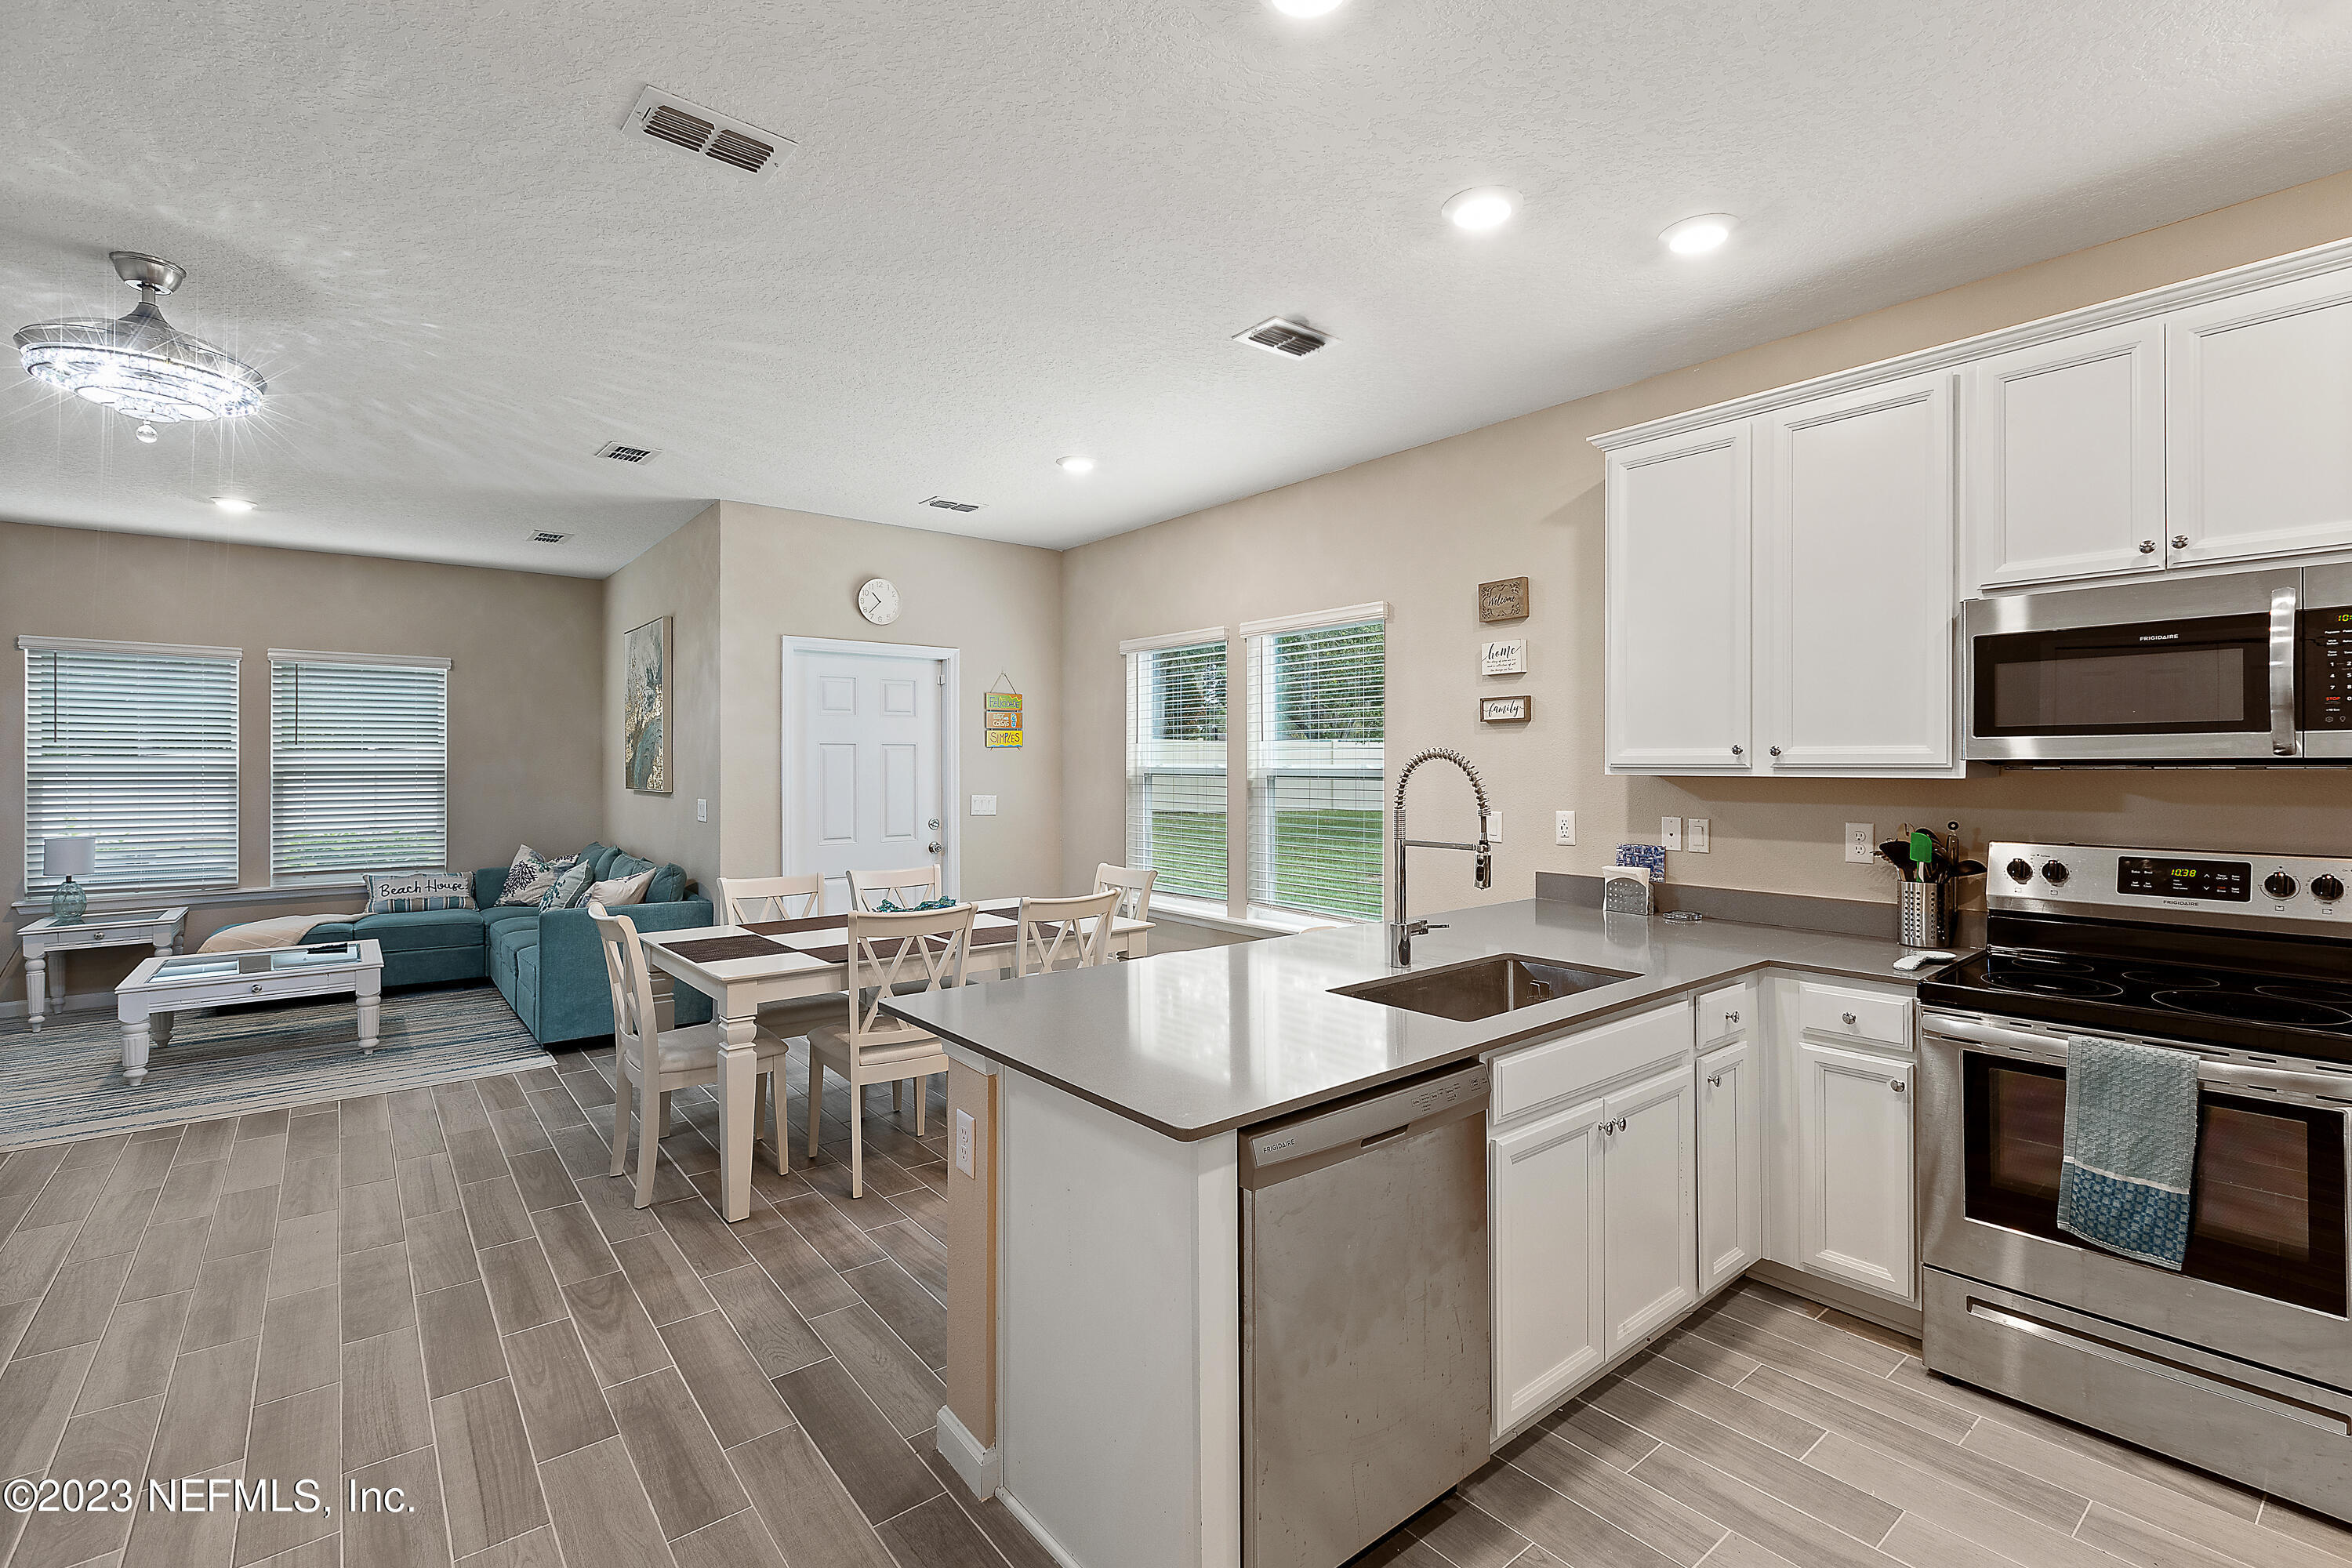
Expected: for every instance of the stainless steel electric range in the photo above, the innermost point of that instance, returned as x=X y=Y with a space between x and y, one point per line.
x=2241 y=1362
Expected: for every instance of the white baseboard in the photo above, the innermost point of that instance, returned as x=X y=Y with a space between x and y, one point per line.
x=981 y=1469
x=1054 y=1549
x=76 y=1001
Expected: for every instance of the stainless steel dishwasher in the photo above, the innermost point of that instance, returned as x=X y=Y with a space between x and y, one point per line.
x=1365 y=1367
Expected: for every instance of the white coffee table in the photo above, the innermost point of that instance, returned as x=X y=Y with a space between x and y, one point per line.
x=48 y=939
x=163 y=986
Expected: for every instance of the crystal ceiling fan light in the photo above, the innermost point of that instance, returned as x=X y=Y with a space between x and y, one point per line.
x=141 y=365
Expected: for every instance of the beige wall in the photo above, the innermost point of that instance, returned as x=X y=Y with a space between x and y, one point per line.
x=1423 y=527
x=525 y=687
x=797 y=573
x=679 y=578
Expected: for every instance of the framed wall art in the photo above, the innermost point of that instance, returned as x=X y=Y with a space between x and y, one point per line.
x=1505 y=710
x=644 y=707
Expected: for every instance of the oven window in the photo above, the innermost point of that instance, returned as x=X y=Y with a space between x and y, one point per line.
x=2267 y=1206
x=2168 y=677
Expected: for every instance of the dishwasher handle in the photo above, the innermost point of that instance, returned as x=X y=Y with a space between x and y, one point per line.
x=1312 y=1140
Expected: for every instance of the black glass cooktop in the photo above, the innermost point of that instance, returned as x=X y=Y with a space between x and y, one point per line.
x=2254 y=992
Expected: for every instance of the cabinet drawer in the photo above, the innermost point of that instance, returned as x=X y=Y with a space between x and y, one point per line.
x=1855 y=1015
x=1548 y=1073
x=1725 y=1013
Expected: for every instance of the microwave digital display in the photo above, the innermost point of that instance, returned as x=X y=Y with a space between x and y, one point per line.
x=2326 y=680
x=2220 y=881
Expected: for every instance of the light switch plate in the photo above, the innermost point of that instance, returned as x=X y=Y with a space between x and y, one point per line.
x=1670 y=832
x=1695 y=836
x=963 y=1141
x=701 y=811
x=983 y=805
x=1563 y=827
x=1494 y=827
x=1861 y=842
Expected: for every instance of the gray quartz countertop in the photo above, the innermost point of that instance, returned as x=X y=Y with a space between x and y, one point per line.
x=1195 y=1044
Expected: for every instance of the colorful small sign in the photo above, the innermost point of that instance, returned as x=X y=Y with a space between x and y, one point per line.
x=1002 y=717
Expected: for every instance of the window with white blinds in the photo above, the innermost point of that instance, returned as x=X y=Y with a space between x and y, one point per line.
x=1176 y=765
x=1317 y=768
x=359 y=765
x=137 y=748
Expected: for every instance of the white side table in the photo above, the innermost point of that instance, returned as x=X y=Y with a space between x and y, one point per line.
x=161 y=986
x=47 y=941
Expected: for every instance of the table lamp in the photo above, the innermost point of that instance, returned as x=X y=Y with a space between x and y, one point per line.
x=69 y=858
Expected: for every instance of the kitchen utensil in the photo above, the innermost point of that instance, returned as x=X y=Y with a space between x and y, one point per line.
x=1923 y=850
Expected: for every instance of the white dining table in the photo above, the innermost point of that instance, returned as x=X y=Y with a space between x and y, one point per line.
x=811 y=958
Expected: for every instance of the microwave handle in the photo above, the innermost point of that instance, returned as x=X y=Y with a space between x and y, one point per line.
x=2284 y=598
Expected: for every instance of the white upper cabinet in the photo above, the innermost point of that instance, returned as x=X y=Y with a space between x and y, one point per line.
x=1679 y=603
x=2063 y=453
x=1853 y=582
x=2258 y=416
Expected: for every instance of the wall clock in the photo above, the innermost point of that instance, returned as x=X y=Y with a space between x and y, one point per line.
x=877 y=600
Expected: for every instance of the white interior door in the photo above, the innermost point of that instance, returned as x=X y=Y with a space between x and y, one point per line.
x=863 y=787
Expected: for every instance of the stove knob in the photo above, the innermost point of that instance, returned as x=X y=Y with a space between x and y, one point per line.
x=2055 y=872
x=2327 y=889
x=2279 y=885
x=2021 y=872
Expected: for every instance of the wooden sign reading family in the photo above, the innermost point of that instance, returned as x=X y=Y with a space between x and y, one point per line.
x=1503 y=601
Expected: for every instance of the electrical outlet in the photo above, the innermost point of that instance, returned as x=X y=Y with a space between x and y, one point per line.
x=701 y=811
x=1494 y=827
x=1670 y=832
x=1695 y=836
x=963 y=1141
x=1861 y=842
x=983 y=805
x=1563 y=827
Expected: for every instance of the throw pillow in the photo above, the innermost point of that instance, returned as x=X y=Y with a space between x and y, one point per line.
x=392 y=892
x=567 y=888
x=602 y=861
x=528 y=877
x=669 y=886
x=620 y=890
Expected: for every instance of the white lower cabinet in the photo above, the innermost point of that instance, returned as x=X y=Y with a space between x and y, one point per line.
x=1649 y=1267
x=1728 y=1090
x=1544 y=1217
x=1854 y=1191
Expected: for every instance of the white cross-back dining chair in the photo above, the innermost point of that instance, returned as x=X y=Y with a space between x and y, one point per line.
x=888 y=954
x=657 y=1060
x=743 y=900
x=915 y=885
x=1064 y=933
x=1133 y=885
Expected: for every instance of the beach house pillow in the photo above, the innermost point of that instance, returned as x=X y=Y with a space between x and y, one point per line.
x=567 y=888
x=392 y=892
x=528 y=876
x=620 y=890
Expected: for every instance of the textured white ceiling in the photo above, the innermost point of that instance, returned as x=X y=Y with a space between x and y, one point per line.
x=1020 y=228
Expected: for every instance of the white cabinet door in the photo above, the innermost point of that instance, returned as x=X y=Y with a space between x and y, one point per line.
x=1730 y=1164
x=1854 y=1119
x=1854 y=585
x=2063 y=446
x=1649 y=1270
x=2259 y=422
x=1677 y=664
x=1544 y=1185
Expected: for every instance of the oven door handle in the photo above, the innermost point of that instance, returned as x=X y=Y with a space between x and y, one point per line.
x=2326 y=1092
x=2284 y=602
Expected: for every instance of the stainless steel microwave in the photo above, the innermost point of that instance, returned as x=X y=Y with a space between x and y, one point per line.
x=2245 y=666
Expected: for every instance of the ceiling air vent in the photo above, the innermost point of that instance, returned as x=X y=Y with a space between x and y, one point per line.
x=549 y=538
x=739 y=145
x=621 y=452
x=1276 y=335
x=946 y=505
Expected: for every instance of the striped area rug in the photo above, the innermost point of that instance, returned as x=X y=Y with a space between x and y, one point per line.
x=65 y=1080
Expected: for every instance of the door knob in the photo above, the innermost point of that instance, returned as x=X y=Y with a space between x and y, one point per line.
x=2148 y=547
x=2180 y=542
x=935 y=846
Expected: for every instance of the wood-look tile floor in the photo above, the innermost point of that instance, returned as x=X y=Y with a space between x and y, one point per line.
x=1767 y=1432
x=441 y=1290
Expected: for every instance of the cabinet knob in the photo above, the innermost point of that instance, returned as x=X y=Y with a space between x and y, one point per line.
x=1731 y=1017
x=1715 y=1080
x=1849 y=1019
x=1776 y=751
x=2180 y=542
x=1896 y=1086
x=256 y=989
x=1738 y=752
x=2148 y=547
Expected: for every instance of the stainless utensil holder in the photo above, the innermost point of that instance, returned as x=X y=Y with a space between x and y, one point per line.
x=1923 y=914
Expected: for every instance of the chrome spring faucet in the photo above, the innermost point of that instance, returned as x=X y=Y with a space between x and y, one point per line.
x=1404 y=928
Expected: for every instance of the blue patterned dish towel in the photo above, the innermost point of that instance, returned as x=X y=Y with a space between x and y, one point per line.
x=2131 y=1148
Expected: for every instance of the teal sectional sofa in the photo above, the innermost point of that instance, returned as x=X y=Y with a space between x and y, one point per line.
x=546 y=964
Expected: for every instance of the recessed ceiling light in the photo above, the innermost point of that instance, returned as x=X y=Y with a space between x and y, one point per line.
x=1307 y=7
x=1077 y=465
x=1698 y=236
x=231 y=503
x=1484 y=207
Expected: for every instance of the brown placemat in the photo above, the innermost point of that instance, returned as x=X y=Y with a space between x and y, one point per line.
x=719 y=949
x=806 y=922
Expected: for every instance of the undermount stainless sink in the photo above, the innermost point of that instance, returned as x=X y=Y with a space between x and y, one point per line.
x=1482 y=988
